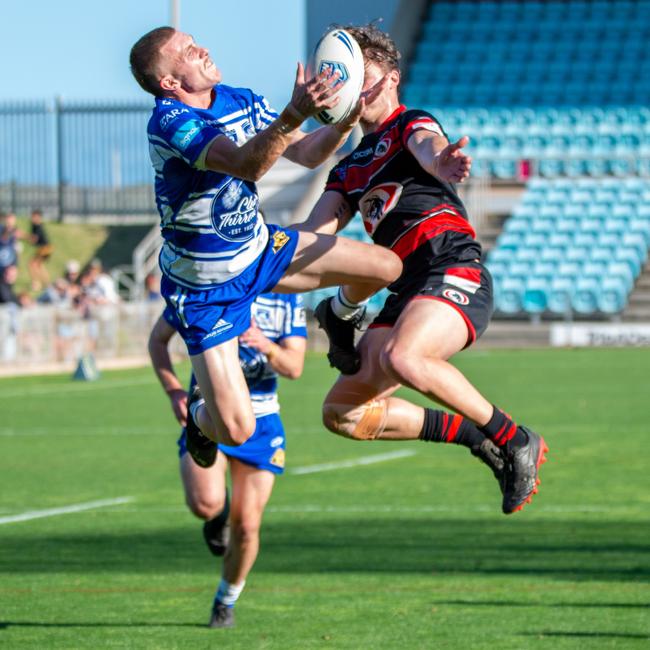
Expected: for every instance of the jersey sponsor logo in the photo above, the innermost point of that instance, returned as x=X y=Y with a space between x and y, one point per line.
x=362 y=154
x=234 y=212
x=377 y=203
x=456 y=296
x=220 y=326
x=280 y=238
x=186 y=133
x=382 y=147
x=278 y=458
x=277 y=441
x=168 y=117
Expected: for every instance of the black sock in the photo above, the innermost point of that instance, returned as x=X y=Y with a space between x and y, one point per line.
x=217 y=523
x=502 y=430
x=440 y=426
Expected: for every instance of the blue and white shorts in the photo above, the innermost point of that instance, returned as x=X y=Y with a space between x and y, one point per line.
x=265 y=449
x=206 y=318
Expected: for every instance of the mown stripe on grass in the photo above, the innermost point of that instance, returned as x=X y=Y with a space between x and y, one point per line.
x=64 y=510
x=354 y=462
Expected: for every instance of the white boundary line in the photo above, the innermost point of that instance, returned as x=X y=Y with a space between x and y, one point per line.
x=53 y=512
x=363 y=460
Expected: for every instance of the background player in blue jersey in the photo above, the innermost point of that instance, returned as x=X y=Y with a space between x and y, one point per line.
x=400 y=178
x=273 y=345
x=209 y=143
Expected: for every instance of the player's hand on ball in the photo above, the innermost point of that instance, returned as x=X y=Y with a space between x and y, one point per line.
x=452 y=163
x=313 y=95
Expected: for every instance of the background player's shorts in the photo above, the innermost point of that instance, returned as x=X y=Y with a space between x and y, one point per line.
x=466 y=286
x=265 y=449
x=205 y=318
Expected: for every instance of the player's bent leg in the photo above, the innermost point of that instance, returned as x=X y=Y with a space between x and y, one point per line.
x=205 y=488
x=427 y=333
x=227 y=415
x=206 y=496
x=251 y=490
x=326 y=260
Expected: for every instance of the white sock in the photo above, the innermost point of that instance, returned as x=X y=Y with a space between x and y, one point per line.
x=194 y=407
x=228 y=594
x=344 y=308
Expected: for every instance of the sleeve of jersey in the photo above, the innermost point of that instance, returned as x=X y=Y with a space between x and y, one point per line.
x=295 y=320
x=187 y=135
x=420 y=121
x=263 y=114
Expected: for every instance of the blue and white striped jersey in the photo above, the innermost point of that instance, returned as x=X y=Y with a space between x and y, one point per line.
x=278 y=316
x=210 y=223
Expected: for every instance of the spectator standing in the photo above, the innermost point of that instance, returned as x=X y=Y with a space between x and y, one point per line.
x=42 y=252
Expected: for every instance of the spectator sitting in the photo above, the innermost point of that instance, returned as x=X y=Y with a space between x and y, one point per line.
x=7 y=293
x=43 y=249
x=98 y=286
x=72 y=269
x=8 y=237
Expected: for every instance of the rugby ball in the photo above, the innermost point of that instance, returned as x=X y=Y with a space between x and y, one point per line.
x=339 y=52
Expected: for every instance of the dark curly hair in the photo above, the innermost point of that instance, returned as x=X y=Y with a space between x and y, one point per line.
x=377 y=46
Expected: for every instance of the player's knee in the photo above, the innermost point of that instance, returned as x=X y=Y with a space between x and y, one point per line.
x=205 y=506
x=238 y=432
x=364 y=421
x=399 y=363
x=391 y=266
x=245 y=529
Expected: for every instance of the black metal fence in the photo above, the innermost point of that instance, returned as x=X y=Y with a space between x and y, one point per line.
x=75 y=159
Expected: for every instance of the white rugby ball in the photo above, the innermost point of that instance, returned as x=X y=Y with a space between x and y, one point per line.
x=341 y=53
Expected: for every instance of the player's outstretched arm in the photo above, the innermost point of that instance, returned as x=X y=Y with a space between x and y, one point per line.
x=287 y=357
x=253 y=159
x=330 y=214
x=159 y=339
x=440 y=158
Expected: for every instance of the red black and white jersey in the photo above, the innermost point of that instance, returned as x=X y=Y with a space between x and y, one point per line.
x=402 y=206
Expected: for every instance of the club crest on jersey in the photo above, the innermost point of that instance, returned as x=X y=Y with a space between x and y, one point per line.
x=456 y=296
x=382 y=147
x=278 y=458
x=280 y=238
x=234 y=211
x=377 y=203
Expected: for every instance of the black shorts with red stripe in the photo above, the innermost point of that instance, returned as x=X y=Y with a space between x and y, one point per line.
x=445 y=268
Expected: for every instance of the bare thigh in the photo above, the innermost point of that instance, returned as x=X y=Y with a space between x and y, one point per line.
x=251 y=490
x=326 y=260
x=223 y=386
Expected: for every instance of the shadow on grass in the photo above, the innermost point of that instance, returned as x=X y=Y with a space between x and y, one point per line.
x=608 y=550
x=590 y=635
x=5 y=625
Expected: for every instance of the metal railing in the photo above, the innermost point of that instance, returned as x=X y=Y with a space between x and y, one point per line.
x=76 y=158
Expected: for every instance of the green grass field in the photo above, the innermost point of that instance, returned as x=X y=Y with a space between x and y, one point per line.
x=407 y=553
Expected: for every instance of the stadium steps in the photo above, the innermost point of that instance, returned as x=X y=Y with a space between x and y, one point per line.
x=638 y=307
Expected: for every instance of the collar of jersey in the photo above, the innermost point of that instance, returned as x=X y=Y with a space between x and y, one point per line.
x=400 y=109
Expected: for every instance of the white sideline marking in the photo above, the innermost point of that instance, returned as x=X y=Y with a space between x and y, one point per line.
x=75 y=387
x=53 y=512
x=363 y=460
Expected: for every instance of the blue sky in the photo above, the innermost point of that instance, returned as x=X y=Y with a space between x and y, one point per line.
x=79 y=49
